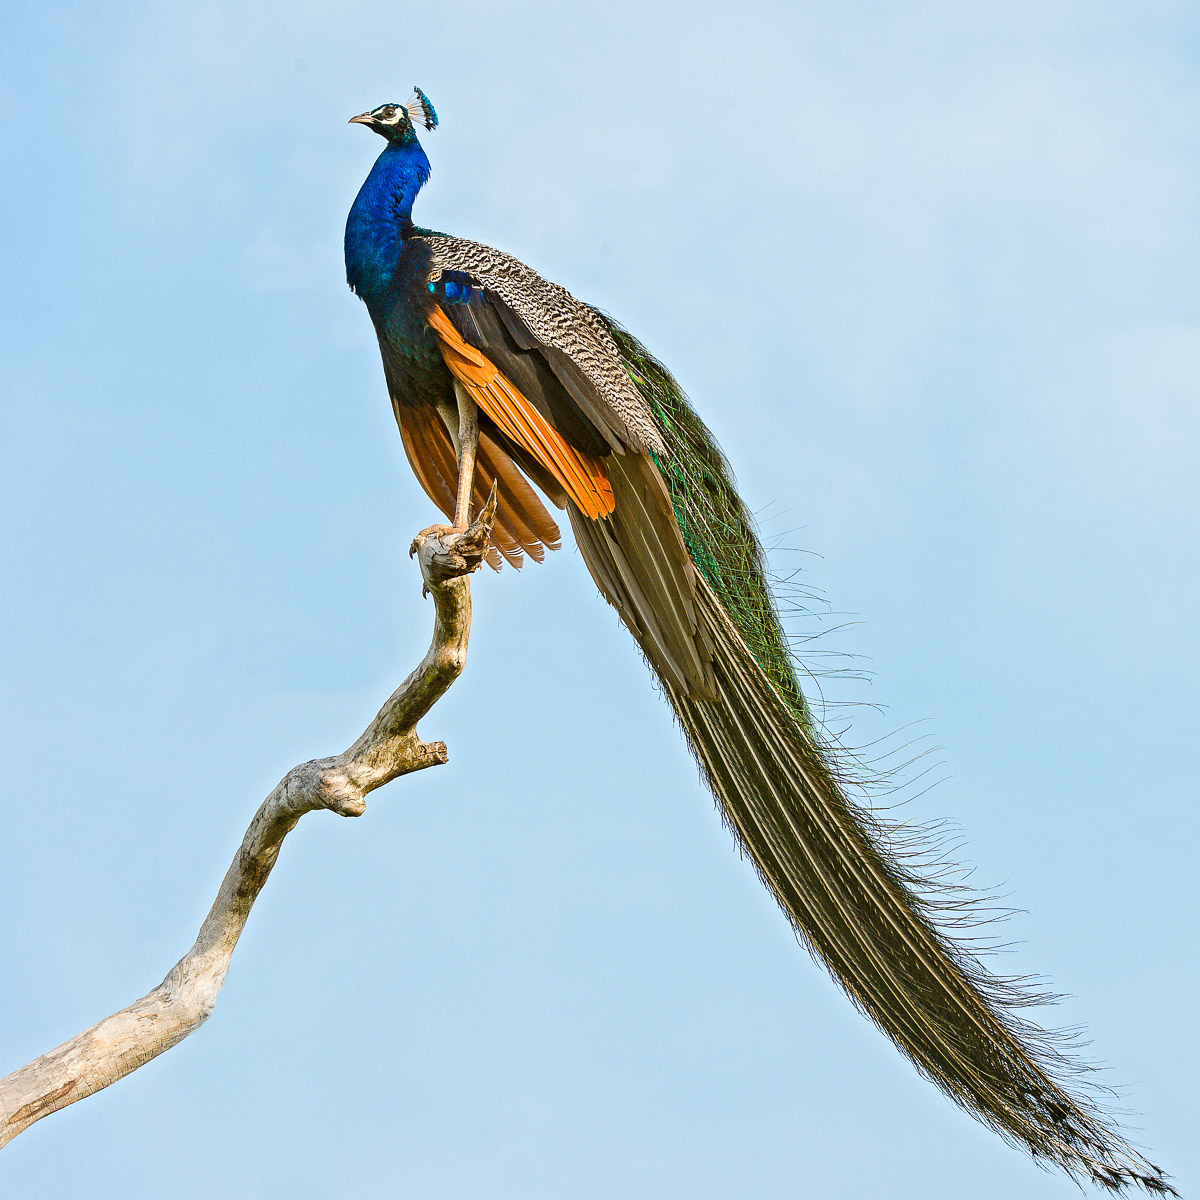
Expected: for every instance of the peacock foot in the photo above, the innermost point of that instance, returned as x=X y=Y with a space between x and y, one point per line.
x=458 y=551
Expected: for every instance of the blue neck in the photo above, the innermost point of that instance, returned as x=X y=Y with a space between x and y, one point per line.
x=381 y=216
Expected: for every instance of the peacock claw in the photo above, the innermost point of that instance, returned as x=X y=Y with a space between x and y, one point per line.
x=437 y=531
x=459 y=551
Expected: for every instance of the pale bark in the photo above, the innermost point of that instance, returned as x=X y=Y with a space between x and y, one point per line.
x=387 y=749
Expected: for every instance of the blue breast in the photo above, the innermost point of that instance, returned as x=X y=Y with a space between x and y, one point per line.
x=380 y=218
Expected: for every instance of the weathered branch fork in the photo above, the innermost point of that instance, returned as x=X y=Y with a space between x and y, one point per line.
x=387 y=749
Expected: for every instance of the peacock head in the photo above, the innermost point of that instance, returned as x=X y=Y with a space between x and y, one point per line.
x=397 y=122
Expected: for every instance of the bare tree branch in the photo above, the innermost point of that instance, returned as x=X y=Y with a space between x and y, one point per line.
x=388 y=748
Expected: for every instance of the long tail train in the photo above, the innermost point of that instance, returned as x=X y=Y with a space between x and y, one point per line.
x=845 y=885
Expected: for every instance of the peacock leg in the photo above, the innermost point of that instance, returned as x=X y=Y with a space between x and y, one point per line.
x=467 y=445
x=463 y=426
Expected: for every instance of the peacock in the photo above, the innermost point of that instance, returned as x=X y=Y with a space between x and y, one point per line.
x=501 y=380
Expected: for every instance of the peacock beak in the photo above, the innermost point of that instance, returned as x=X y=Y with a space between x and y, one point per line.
x=361 y=119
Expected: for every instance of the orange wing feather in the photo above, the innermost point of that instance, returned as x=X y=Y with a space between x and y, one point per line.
x=581 y=475
x=522 y=524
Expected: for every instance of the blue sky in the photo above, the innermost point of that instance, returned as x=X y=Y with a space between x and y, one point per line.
x=930 y=273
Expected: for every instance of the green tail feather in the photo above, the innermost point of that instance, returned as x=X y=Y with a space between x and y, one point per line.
x=717 y=527
x=851 y=886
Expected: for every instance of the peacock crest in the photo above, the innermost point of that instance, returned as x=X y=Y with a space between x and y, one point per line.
x=420 y=109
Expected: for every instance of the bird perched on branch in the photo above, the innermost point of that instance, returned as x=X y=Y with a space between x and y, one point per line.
x=500 y=379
